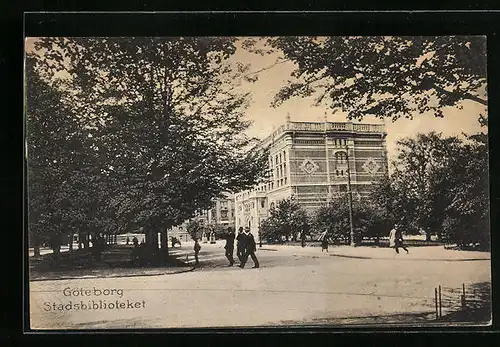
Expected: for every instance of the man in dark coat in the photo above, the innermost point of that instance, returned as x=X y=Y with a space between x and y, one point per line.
x=251 y=247
x=229 y=246
x=240 y=246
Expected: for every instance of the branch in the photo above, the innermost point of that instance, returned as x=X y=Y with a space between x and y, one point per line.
x=461 y=96
x=266 y=68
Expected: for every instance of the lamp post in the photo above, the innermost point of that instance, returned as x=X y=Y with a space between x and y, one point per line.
x=329 y=193
x=349 y=195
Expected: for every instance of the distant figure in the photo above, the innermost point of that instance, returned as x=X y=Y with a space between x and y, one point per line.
x=250 y=248
x=303 y=236
x=128 y=240
x=324 y=244
x=324 y=241
x=135 y=241
x=240 y=247
x=230 y=246
x=396 y=239
x=197 y=248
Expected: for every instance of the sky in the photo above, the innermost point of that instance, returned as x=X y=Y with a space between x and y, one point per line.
x=265 y=117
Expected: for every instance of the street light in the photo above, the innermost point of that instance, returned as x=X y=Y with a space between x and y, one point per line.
x=349 y=191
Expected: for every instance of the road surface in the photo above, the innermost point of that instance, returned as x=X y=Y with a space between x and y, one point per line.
x=294 y=286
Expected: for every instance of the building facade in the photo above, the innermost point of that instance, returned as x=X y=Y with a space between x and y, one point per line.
x=221 y=214
x=311 y=161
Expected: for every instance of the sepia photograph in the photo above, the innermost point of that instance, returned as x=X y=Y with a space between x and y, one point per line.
x=257 y=181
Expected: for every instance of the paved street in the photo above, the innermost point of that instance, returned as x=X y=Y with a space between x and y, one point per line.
x=293 y=286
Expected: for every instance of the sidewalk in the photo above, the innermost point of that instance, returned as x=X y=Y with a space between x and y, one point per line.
x=429 y=253
x=424 y=253
x=107 y=273
x=115 y=262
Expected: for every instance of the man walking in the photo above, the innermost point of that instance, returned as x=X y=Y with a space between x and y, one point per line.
x=197 y=249
x=251 y=247
x=396 y=239
x=240 y=247
x=230 y=246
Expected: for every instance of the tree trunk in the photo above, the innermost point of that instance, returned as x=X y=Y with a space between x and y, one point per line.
x=80 y=241
x=56 y=245
x=428 y=236
x=36 y=250
x=164 y=242
x=86 y=239
x=36 y=245
x=70 y=243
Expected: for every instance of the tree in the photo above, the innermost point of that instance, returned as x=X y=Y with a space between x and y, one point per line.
x=54 y=144
x=286 y=220
x=166 y=119
x=195 y=229
x=467 y=216
x=369 y=219
x=439 y=185
x=385 y=76
x=423 y=169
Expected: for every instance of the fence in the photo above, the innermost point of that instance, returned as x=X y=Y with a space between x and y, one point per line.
x=465 y=300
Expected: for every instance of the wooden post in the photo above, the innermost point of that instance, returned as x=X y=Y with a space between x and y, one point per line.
x=440 y=303
x=436 y=301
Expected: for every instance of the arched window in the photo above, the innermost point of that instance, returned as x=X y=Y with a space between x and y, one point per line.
x=271 y=205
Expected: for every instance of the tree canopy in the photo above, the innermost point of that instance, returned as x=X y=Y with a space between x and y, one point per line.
x=163 y=119
x=385 y=76
x=440 y=185
x=286 y=220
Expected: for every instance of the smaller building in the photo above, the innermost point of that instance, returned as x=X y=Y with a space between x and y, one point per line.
x=222 y=214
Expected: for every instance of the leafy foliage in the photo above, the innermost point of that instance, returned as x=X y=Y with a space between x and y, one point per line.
x=439 y=185
x=162 y=121
x=385 y=76
x=286 y=220
x=195 y=229
x=369 y=220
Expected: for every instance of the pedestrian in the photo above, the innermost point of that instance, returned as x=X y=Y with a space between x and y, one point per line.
x=396 y=239
x=197 y=248
x=250 y=248
x=230 y=246
x=135 y=241
x=324 y=241
x=303 y=233
x=324 y=244
x=399 y=241
x=128 y=240
x=240 y=247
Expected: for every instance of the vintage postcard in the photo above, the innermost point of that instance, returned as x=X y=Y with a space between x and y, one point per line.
x=232 y=182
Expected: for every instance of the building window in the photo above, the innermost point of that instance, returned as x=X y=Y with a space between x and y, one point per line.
x=285 y=180
x=284 y=155
x=341 y=158
x=262 y=203
x=341 y=172
x=271 y=205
